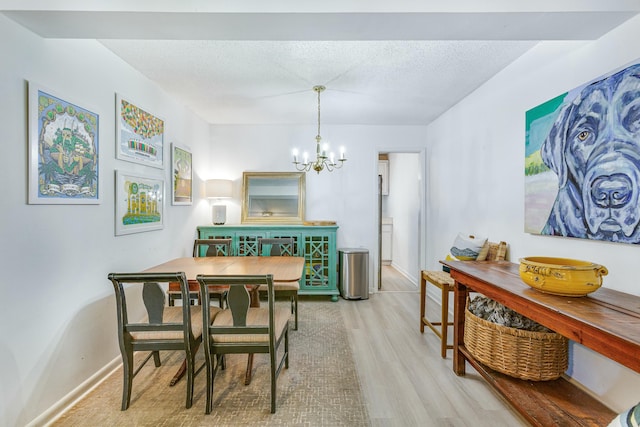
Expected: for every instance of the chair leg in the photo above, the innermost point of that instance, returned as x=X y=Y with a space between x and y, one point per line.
x=156 y=358
x=191 y=372
x=189 y=401
x=423 y=294
x=273 y=382
x=210 y=369
x=286 y=349
x=295 y=307
x=445 y=321
x=127 y=367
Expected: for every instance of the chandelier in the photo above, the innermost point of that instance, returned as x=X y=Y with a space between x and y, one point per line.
x=322 y=161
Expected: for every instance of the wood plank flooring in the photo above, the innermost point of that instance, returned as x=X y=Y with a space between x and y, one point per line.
x=404 y=380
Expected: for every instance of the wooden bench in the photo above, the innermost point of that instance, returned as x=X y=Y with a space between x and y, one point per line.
x=606 y=321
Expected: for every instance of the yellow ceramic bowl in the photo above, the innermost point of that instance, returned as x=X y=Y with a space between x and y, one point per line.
x=562 y=276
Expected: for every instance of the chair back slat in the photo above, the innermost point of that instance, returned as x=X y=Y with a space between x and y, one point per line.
x=280 y=246
x=153 y=298
x=238 y=302
x=212 y=247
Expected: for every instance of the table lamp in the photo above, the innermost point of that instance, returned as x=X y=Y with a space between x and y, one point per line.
x=219 y=189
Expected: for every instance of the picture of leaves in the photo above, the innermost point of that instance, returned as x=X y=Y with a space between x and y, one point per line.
x=140 y=135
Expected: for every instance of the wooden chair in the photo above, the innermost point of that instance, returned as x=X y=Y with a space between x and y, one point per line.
x=165 y=328
x=442 y=279
x=202 y=247
x=281 y=246
x=243 y=329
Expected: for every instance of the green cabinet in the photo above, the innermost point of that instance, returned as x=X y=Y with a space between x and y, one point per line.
x=317 y=244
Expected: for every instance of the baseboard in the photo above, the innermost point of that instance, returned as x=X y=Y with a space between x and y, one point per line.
x=64 y=404
x=413 y=280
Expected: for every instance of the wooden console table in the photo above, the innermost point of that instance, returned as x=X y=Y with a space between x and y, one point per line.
x=606 y=321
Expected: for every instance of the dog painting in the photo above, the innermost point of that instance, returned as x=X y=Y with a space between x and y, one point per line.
x=589 y=147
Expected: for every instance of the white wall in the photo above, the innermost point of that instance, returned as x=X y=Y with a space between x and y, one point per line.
x=476 y=178
x=57 y=322
x=347 y=195
x=403 y=205
x=58 y=312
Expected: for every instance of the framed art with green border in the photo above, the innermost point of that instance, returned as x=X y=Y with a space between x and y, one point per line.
x=139 y=203
x=181 y=176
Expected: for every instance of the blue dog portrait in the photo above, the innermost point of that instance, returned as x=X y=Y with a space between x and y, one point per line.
x=585 y=146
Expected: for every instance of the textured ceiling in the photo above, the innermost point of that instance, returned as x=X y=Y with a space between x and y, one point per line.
x=399 y=64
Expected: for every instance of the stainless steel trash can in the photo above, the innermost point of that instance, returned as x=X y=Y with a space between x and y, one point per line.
x=354 y=273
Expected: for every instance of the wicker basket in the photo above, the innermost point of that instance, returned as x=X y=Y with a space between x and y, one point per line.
x=536 y=356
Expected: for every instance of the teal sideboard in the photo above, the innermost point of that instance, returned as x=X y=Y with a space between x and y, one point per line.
x=317 y=244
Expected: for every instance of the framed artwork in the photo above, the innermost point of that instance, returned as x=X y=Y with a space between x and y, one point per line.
x=63 y=150
x=582 y=167
x=139 y=203
x=140 y=135
x=181 y=176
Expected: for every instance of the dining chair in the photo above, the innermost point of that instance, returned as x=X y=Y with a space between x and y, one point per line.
x=202 y=247
x=163 y=328
x=241 y=328
x=443 y=281
x=282 y=246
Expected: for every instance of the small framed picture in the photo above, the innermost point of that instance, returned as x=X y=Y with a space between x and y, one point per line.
x=181 y=176
x=63 y=150
x=139 y=203
x=139 y=134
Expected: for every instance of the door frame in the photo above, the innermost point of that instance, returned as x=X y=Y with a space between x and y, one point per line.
x=422 y=222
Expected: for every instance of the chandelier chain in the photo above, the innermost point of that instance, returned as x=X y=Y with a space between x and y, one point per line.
x=322 y=161
x=319 y=90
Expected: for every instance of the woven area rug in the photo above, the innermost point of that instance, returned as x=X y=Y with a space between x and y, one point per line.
x=320 y=388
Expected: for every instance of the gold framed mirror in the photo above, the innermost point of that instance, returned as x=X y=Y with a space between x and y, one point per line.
x=273 y=197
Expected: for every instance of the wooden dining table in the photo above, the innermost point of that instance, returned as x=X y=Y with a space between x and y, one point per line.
x=283 y=269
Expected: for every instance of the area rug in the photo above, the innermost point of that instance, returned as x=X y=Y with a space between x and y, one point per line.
x=320 y=388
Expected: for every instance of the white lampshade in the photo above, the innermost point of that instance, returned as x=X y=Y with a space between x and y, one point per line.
x=218 y=188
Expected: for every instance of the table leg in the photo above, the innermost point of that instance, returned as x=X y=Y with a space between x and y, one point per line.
x=182 y=369
x=460 y=298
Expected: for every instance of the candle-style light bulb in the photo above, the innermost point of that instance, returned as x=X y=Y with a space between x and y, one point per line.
x=295 y=155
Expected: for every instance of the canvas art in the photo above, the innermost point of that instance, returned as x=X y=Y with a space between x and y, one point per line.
x=140 y=135
x=582 y=168
x=63 y=150
x=139 y=203
x=181 y=176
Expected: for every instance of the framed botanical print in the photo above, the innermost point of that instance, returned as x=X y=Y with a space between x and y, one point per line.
x=139 y=203
x=139 y=134
x=63 y=150
x=181 y=176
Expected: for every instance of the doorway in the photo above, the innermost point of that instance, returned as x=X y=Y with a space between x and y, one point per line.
x=400 y=216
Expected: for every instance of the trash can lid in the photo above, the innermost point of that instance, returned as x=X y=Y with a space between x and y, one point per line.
x=353 y=250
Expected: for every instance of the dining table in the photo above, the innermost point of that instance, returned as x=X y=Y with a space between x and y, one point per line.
x=282 y=268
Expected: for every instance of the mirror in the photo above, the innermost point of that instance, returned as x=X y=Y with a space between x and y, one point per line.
x=273 y=197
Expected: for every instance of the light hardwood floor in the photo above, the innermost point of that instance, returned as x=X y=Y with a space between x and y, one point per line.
x=404 y=380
